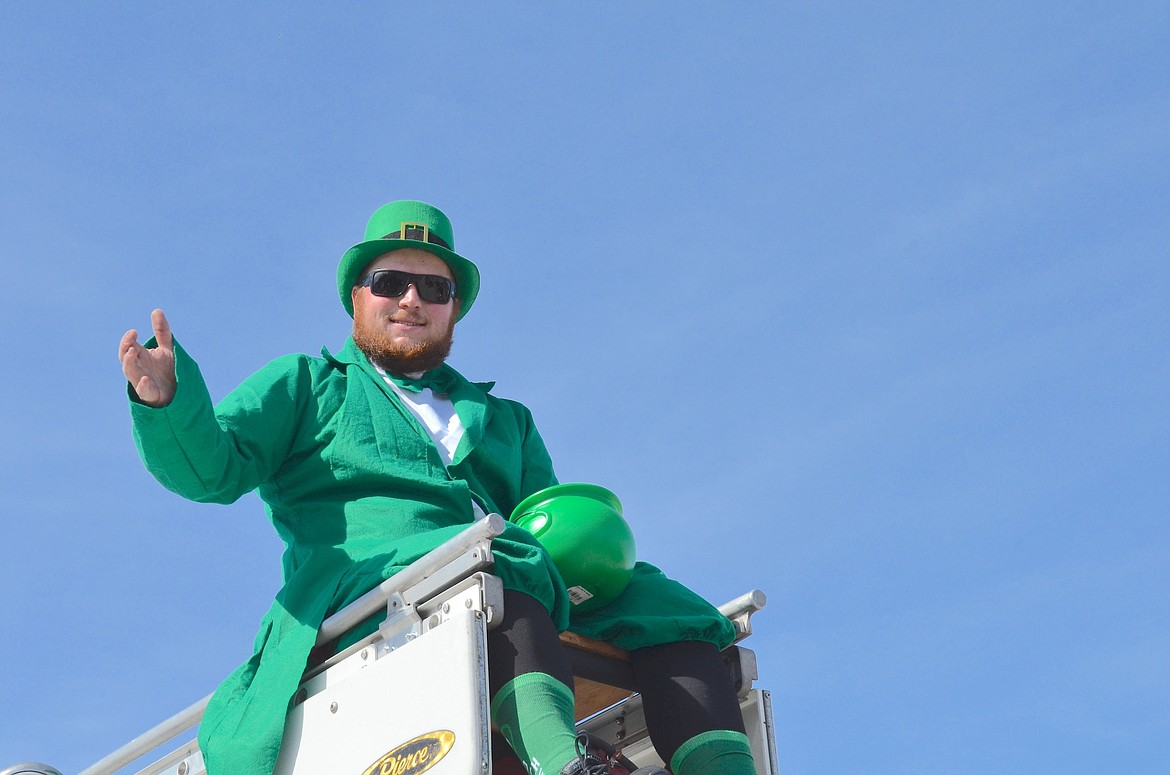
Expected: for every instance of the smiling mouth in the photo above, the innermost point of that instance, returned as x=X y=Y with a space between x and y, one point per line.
x=411 y=323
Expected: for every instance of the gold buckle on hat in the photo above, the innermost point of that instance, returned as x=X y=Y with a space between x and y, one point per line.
x=426 y=231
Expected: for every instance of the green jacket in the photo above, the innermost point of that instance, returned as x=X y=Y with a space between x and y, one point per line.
x=357 y=492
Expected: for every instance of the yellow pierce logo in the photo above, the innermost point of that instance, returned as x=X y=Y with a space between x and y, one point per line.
x=414 y=756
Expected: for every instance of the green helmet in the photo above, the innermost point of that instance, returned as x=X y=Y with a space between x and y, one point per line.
x=582 y=527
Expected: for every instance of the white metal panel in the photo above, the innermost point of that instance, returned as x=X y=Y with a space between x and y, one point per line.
x=431 y=685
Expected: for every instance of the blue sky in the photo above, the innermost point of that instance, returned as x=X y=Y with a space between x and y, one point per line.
x=862 y=306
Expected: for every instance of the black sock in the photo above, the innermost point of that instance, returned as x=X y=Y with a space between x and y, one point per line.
x=686 y=690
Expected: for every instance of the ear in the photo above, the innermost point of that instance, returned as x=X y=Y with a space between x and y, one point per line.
x=353 y=294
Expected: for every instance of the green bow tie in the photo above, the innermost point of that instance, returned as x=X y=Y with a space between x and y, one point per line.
x=440 y=380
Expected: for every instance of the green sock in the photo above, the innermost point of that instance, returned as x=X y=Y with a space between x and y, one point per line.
x=534 y=713
x=720 y=752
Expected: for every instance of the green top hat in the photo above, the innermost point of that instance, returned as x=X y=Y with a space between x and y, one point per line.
x=408 y=224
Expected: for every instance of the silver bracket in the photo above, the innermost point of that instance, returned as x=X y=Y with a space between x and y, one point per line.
x=401 y=624
x=744 y=670
x=480 y=592
x=740 y=611
x=476 y=558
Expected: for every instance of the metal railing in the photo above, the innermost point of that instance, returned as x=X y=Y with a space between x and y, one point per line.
x=739 y=611
x=365 y=606
x=30 y=768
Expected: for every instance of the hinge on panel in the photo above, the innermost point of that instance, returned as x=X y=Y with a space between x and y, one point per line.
x=401 y=624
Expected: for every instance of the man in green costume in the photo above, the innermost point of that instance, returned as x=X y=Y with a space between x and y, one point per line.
x=369 y=457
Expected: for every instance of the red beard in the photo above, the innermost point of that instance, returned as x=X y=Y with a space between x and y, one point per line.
x=408 y=359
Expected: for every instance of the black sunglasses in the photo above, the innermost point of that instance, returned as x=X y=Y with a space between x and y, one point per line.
x=392 y=283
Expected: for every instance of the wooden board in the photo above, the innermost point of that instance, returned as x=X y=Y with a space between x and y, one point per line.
x=595 y=695
x=592 y=697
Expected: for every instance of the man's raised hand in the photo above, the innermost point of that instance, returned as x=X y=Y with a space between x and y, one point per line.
x=151 y=372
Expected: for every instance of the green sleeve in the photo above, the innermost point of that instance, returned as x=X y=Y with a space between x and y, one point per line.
x=216 y=454
x=537 y=471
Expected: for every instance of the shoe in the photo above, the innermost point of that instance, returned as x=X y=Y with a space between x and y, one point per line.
x=596 y=757
x=504 y=759
x=508 y=765
x=588 y=764
x=591 y=765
